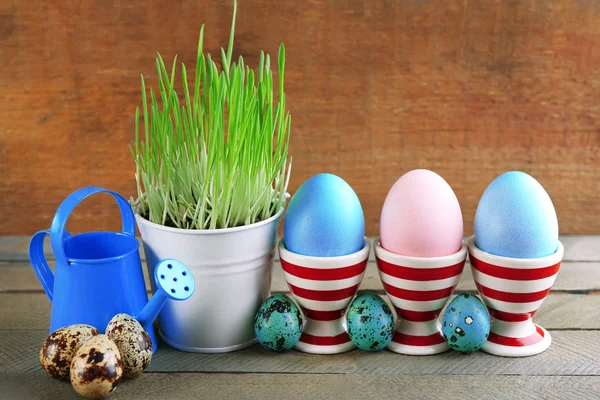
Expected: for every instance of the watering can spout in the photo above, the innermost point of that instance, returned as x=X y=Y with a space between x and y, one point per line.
x=173 y=281
x=150 y=311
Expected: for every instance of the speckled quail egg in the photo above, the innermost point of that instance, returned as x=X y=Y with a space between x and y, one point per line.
x=133 y=342
x=370 y=322
x=278 y=323
x=466 y=323
x=96 y=369
x=59 y=348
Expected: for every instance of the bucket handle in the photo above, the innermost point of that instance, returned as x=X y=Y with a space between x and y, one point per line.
x=57 y=230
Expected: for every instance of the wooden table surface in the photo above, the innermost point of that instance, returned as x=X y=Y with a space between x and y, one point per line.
x=569 y=369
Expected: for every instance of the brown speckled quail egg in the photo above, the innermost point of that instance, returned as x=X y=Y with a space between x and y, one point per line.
x=59 y=348
x=96 y=369
x=133 y=342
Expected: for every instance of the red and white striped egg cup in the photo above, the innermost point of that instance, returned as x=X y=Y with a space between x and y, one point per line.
x=513 y=289
x=419 y=288
x=324 y=287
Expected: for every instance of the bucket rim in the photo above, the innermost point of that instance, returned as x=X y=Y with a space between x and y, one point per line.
x=72 y=260
x=144 y=221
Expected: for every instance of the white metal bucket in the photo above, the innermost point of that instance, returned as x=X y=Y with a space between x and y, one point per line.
x=232 y=269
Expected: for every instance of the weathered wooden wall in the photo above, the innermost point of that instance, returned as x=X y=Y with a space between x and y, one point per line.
x=469 y=89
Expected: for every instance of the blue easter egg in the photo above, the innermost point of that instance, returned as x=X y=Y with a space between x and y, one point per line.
x=466 y=323
x=516 y=218
x=278 y=323
x=370 y=322
x=324 y=219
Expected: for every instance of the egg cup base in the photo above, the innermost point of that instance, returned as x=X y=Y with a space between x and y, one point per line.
x=418 y=350
x=541 y=339
x=325 y=337
x=325 y=350
x=421 y=338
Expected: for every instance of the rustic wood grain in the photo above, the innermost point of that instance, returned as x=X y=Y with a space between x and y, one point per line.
x=315 y=387
x=571 y=353
x=581 y=248
x=375 y=88
x=559 y=311
x=573 y=276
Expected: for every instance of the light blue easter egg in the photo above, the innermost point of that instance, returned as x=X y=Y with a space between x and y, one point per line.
x=466 y=323
x=370 y=322
x=516 y=218
x=324 y=219
x=278 y=323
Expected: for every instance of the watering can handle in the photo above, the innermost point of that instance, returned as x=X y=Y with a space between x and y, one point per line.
x=57 y=230
x=39 y=263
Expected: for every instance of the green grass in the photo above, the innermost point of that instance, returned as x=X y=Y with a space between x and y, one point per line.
x=216 y=156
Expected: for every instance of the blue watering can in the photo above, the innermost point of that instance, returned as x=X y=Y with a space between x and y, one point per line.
x=99 y=274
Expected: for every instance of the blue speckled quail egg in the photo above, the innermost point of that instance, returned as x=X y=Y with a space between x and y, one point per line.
x=278 y=323
x=466 y=323
x=370 y=322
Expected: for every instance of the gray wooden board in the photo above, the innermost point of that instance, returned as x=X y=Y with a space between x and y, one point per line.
x=573 y=276
x=570 y=368
x=571 y=353
x=559 y=311
x=577 y=248
x=314 y=386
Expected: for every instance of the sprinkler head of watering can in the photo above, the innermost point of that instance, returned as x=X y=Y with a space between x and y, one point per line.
x=174 y=278
x=173 y=281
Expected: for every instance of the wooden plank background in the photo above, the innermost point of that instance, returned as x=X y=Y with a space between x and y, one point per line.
x=469 y=89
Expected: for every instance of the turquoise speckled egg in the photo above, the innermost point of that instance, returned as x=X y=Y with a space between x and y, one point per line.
x=278 y=323
x=466 y=323
x=370 y=322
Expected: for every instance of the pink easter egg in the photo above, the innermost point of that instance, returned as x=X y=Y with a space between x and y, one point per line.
x=421 y=217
